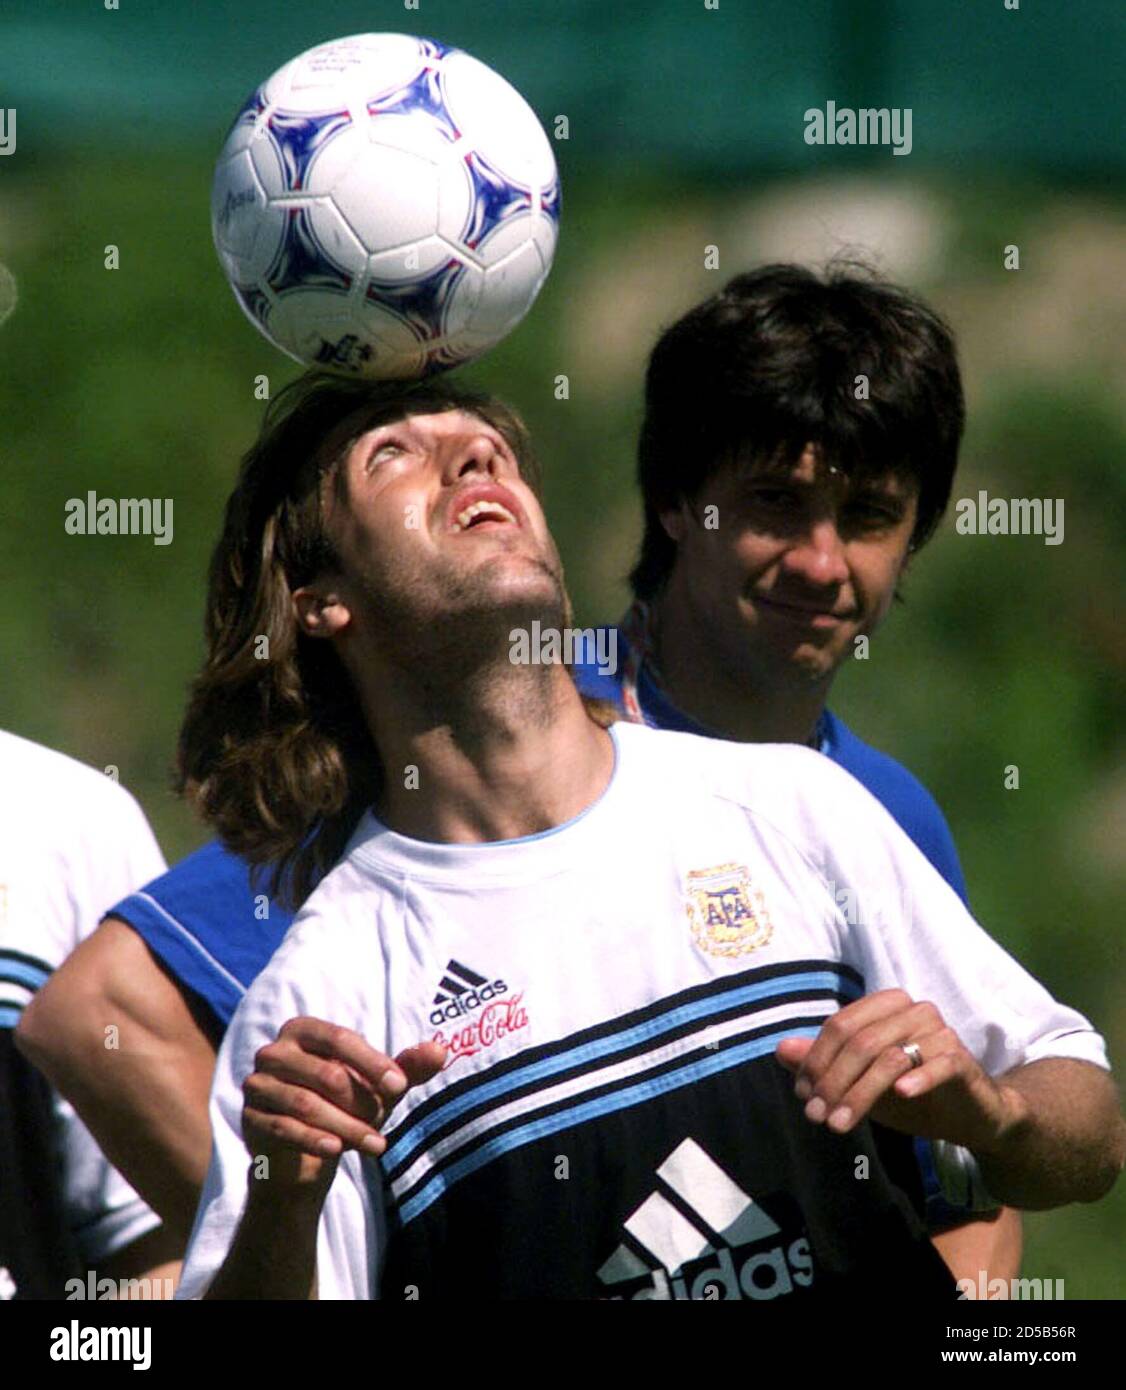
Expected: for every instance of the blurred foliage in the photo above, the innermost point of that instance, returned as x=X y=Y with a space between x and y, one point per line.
x=140 y=382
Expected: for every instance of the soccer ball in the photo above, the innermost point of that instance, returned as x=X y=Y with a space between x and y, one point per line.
x=385 y=206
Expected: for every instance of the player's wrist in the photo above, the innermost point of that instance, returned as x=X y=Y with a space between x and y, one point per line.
x=280 y=1195
x=1008 y=1129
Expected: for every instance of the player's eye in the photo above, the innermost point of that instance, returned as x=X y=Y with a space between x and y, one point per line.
x=776 y=498
x=386 y=451
x=870 y=513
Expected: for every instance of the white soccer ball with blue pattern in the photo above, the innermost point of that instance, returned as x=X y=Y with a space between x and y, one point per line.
x=385 y=206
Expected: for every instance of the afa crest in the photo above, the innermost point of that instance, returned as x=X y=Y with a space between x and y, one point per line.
x=728 y=916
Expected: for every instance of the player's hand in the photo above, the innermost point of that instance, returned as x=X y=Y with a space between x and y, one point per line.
x=320 y=1089
x=856 y=1069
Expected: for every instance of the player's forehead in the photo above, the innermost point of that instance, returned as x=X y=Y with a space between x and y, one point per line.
x=813 y=466
x=423 y=425
x=439 y=424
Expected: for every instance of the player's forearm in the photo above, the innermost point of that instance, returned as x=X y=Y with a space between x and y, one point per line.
x=135 y=1056
x=149 y=1117
x=988 y=1245
x=1065 y=1140
x=274 y=1253
x=150 y=1260
x=160 y=1145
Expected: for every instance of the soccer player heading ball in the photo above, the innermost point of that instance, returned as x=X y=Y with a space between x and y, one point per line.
x=752 y=420
x=698 y=1072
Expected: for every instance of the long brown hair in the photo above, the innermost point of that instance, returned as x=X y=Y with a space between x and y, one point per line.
x=274 y=750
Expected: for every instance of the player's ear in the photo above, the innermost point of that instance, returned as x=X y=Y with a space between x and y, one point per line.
x=320 y=610
x=673 y=521
x=901 y=577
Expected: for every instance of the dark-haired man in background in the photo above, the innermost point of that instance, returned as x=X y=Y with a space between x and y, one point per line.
x=799 y=443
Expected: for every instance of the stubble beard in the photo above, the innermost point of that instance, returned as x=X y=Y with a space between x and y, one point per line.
x=449 y=631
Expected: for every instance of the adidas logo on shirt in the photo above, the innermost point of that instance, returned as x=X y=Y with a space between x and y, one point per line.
x=705 y=1239
x=462 y=990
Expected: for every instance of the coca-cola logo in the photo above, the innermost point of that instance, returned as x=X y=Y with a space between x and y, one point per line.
x=495 y=1021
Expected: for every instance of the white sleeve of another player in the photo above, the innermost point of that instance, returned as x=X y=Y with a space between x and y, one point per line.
x=105 y=1212
x=911 y=931
x=114 y=853
x=352 y=1226
x=130 y=857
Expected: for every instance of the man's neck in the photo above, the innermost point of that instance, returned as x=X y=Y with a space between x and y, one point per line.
x=495 y=756
x=722 y=698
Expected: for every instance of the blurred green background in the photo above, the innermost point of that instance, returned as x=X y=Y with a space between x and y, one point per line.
x=685 y=130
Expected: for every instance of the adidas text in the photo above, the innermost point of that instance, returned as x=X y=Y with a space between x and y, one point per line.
x=465 y=1003
x=763 y=1275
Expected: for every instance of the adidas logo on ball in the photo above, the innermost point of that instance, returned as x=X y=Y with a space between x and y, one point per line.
x=462 y=990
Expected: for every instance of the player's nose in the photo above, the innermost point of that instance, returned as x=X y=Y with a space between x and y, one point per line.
x=468 y=454
x=817 y=555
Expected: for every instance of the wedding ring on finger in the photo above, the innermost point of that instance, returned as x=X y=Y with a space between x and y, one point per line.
x=914 y=1052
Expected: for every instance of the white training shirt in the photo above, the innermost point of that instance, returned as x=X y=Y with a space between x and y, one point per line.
x=612 y=1122
x=72 y=843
